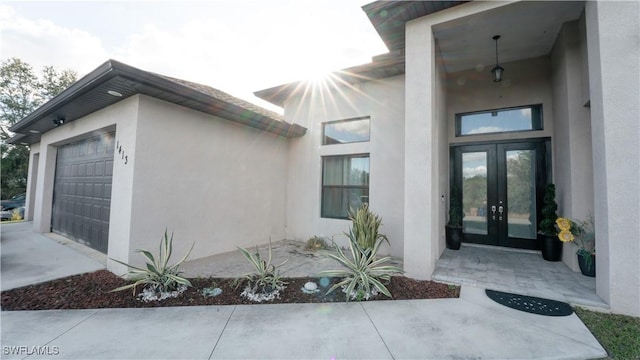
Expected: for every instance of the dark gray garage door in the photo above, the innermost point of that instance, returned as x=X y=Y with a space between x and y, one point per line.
x=82 y=191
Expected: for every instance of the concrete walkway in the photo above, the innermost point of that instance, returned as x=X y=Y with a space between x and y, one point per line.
x=471 y=327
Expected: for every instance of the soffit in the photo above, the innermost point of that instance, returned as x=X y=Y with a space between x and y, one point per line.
x=389 y=17
x=528 y=29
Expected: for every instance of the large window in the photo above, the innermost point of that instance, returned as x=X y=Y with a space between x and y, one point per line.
x=345 y=131
x=524 y=118
x=345 y=184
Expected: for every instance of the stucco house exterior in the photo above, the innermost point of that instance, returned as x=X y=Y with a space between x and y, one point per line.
x=398 y=133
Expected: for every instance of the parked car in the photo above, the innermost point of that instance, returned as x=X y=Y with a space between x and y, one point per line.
x=14 y=202
x=6 y=215
x=7 y=207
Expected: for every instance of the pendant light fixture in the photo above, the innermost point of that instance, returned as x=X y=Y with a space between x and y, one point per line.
x=497 y=71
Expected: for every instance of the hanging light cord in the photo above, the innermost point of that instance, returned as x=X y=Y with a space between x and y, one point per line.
x=496 y=39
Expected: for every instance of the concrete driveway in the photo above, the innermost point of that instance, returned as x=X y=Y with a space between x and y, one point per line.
x=31 y=258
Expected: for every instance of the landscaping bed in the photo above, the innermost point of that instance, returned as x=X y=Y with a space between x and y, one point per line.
x=93 y=290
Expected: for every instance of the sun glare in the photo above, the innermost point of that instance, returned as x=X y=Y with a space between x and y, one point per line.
x=318 y=76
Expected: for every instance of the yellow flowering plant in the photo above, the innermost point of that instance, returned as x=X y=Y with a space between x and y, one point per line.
x=580 y=232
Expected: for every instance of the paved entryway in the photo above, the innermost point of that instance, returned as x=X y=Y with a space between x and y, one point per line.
x=299 y=262
x=518 y=272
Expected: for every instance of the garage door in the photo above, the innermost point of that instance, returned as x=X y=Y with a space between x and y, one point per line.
x=82 y=191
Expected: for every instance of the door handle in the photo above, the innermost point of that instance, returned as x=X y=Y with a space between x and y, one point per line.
x=493 y=211
x=500 y=210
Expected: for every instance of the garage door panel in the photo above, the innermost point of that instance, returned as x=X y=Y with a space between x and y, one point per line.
x=82 y=191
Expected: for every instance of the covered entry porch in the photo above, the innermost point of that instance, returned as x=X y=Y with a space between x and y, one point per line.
x=522 y=272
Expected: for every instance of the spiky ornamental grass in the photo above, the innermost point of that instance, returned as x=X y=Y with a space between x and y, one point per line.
x=364 y=274
x=365 y=227
x=158 y=276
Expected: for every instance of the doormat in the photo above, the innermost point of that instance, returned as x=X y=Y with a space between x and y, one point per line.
x=530 y=304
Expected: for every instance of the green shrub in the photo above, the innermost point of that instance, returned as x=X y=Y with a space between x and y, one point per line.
x=547 y=225
x=265 y=282
x=364 y=273
x=158 y=276
x=364 y=228
x=455 y=208
x=316 y=243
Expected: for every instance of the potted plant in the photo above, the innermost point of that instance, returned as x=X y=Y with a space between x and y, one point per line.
x=550 y=245
x=582 y=234
x=453 y=229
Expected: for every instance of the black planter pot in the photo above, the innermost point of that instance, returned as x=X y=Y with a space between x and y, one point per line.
x=454 y=237
x=551 y=247
x=585 y=268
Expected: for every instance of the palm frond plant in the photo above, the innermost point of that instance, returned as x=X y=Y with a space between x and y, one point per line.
x=157 y=277
x=265 y=283
x=365 y=227
x=364 y=275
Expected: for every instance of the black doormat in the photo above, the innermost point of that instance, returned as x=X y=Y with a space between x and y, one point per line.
x=530 y=304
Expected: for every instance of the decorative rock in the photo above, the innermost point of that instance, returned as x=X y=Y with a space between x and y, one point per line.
x=311 y=286
x=209 y=292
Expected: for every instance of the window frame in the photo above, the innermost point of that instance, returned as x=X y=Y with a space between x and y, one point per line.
x=537 y=123
x=323 y=186
x=324 y=125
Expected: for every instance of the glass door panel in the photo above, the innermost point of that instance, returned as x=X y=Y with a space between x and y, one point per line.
x=521 y=194
x=501 y=187
x=474 y=192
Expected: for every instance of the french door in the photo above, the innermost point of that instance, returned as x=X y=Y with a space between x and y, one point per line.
x=500 y=187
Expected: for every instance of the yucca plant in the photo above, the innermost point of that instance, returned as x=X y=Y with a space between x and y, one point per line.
x=365 y=226
x=158 y=276
x=364 y=274
x=265 y=282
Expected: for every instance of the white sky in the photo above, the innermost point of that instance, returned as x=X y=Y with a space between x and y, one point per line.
x=235 y=46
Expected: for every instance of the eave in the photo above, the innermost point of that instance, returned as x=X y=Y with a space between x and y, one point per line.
x=382 y=66
x=90 y=94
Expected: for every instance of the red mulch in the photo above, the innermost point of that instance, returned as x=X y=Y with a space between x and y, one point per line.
x=92 y=290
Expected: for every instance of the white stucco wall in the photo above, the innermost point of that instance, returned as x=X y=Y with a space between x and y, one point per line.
x=383 y=102
x=572 y=140
x=209 y=181
x=613 y=43
x=121 y=118
x=422 y=195
x=30 y=200
x=426 y=145
x=526 y=82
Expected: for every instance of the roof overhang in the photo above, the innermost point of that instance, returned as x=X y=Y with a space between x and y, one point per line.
x=382 y=66
x=389 y=17
x=94 y=92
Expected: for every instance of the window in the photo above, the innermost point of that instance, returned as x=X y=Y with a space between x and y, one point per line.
x=345 y=131
x=345 y=184
x=524 y=118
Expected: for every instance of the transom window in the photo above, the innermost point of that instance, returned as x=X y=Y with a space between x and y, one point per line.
x=345 y=184
x=345 y=131
x=524 y=118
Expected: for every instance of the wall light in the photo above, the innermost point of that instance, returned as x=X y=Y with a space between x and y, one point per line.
x=59 y=120
x=497 y=71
